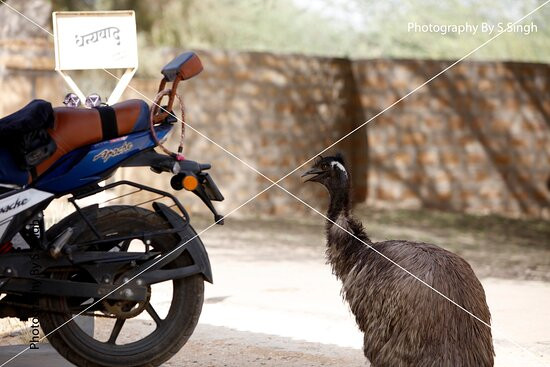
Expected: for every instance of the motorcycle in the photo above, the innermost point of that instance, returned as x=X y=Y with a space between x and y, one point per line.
x=104 y=263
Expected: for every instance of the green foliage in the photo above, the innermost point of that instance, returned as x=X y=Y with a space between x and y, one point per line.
x=352 y=28
x=386 y=32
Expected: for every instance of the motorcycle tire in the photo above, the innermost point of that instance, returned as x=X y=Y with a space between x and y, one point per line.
x=171 y=333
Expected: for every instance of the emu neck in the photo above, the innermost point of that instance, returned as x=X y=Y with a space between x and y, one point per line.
x=339 y=203
x=345 y=235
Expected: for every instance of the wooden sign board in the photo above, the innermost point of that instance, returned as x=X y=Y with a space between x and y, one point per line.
x=96 y=40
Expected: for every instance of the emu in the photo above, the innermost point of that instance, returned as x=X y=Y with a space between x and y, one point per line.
x=404 y=322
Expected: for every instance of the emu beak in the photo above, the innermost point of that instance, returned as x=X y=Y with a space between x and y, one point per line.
x=314 y=171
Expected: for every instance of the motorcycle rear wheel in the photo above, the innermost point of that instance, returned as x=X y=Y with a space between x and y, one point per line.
x=171 y=332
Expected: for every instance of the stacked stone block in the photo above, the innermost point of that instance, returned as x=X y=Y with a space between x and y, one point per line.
x=475 y=139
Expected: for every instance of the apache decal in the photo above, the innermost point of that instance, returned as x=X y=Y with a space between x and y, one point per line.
x=107 y=154
x=16 y=204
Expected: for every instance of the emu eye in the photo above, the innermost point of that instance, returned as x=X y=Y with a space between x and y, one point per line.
x=324 y=166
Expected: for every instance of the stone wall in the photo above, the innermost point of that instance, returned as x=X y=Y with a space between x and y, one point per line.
x=476 y=139
x=270 y=111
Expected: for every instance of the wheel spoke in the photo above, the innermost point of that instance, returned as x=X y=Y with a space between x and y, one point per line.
x=116 y=331
x=151 y=311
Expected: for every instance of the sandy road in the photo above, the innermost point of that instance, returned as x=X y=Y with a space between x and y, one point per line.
x=276 y=303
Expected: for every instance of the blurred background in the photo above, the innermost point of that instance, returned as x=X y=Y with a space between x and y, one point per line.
x=284 y=79
x=341 y=28
x=463 y=162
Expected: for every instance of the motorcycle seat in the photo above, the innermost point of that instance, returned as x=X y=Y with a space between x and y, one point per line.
x=77 y=127
x=72 y=128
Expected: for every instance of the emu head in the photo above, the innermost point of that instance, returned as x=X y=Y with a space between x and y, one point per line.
x=330 y=172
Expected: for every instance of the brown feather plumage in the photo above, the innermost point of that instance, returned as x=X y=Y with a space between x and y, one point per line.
x=404 y=322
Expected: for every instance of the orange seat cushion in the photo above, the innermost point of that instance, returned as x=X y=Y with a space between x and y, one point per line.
x=77 y=127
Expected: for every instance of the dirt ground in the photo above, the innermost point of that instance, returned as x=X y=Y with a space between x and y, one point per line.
x=274 y=301
x=271 y=280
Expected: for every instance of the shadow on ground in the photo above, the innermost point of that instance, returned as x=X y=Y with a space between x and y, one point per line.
x=216 y=346
x=495 y=246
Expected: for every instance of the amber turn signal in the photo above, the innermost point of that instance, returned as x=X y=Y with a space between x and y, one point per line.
x=190 y=183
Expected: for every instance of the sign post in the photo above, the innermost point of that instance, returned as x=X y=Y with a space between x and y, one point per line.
x=96 y=40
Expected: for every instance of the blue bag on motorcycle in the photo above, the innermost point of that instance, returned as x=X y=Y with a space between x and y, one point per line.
x=25 y=142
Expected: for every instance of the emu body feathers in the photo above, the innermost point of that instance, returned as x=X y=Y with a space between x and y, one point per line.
x=405 y=323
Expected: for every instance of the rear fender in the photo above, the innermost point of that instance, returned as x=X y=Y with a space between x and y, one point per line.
x=194 y=246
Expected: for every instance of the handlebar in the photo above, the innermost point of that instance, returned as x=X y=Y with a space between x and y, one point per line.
x=187 y=175
x=165 y=163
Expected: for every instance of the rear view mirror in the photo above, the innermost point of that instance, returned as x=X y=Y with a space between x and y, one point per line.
x=187 y=65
